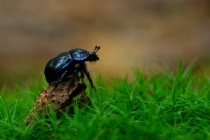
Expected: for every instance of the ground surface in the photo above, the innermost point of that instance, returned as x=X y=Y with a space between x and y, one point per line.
x=160 y=106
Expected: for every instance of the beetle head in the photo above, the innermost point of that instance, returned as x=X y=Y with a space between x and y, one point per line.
x=92 y=55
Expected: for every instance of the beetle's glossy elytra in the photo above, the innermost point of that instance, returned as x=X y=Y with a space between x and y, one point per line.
x=69 y=63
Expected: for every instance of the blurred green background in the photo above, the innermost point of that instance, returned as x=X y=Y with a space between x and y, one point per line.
x=144 y=33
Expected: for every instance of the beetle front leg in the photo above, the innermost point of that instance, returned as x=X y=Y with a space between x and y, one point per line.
x=84 y=69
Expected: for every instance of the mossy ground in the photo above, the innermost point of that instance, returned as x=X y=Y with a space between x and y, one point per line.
x=160 y=106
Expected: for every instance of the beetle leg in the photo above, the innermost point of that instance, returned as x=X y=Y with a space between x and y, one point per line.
x=73 y=78
x=82 y=76
x=75 y=74
x=84 y=69
x=58 y=81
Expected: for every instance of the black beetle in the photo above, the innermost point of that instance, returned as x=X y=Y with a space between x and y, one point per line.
x=69 y=63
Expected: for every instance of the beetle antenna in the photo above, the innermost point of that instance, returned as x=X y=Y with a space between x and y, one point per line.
x=96 y=48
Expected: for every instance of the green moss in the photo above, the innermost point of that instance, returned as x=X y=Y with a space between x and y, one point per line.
x=159 y=106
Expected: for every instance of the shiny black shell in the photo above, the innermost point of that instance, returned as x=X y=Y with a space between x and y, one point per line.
x=58 y=67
